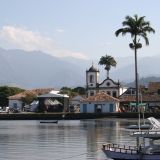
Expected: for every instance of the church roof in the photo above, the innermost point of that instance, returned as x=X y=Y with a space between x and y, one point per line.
x=93 y=69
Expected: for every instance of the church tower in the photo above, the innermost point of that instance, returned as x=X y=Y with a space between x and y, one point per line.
x=92 y=79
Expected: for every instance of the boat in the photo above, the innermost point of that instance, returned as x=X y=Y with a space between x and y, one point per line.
x=49 y=121
x=142 y=126
x=146 y=148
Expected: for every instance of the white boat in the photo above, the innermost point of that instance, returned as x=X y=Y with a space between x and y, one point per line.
x=142 y=150
x=142 y=126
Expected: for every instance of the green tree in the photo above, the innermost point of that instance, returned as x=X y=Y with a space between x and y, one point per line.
x=138 y=28
x=109 y=62
x=29 y=98
x=79 y=90
x=5 y=92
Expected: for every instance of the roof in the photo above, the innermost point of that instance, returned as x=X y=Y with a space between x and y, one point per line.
x=145 y=98
x=51 y=102
x=36 y=92
x=78 y=98
x=153 y=86
x=100 y=97
x=50 y=95
x=93 y=69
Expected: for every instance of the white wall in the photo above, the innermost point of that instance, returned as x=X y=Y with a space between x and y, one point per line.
x=105 y=107
x=15 y=103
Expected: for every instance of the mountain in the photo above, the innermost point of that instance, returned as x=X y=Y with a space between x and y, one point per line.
x=37 y=69
x=147 y=67
x=144 y=81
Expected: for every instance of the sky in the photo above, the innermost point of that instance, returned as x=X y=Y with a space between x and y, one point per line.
x=82 y=29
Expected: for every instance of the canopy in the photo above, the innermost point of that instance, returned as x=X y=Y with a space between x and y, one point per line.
x=51 y=102
x=139 y=104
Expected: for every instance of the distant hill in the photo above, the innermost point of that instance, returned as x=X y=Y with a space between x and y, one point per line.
x=37 y=69
x=144 y=81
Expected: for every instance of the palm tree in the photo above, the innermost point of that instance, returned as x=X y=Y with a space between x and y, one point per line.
x=108 y=61
x=138 y=28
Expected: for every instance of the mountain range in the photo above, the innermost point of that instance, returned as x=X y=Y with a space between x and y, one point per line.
x=36 y=69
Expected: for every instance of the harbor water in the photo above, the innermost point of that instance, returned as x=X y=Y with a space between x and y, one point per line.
x=66 y=140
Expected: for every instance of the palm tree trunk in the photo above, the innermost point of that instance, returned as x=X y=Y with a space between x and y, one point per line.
x=136 y=77
x=107 y=74
x=136 y=73
x=136 y=80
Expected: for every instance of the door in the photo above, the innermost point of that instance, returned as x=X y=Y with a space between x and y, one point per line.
x=111 y=107
x=84 y=108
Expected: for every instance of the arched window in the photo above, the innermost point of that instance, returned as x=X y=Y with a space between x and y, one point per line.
x=91 y=79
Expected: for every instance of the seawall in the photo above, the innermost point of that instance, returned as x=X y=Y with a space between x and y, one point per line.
x=71 y=116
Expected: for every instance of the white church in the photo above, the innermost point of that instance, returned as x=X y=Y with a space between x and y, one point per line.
x=109 y=86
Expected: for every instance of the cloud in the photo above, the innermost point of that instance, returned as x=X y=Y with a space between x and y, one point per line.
x=22 y=38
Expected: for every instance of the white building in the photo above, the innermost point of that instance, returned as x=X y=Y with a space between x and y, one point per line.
x=108 y=86
x=16 y=102
x=99 y=103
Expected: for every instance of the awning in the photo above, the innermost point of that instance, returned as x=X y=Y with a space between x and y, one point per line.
x=51 y=102
x=139 y=104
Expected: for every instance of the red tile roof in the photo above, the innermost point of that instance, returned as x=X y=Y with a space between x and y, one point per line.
x=145 y=98
x=101 y=97
x=36 y=92
x=153 y=86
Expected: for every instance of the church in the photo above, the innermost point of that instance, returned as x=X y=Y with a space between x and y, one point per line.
x=109 y=86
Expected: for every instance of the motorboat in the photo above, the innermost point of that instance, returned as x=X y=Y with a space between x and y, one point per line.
x=146 y=148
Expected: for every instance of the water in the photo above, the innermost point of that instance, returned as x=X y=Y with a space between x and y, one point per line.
x=67 y=140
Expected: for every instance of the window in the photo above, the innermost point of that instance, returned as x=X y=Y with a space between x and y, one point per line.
x=108 y=92
x=114 y=94
x=108 y=84
x=91 y=93
x=14 y=105
x=91 y=79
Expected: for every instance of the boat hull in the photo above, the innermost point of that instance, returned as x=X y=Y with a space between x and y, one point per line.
x=125 y=156
x=48 y=121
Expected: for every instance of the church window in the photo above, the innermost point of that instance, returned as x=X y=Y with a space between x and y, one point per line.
x=108 y=84
x=108 y=92
x=91 y=78
x=114 y=93
x=91 y=93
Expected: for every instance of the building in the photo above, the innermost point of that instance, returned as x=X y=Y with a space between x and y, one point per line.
x=109 y=86
x=16 y=101
x=148 y=98
x=99 y=103
x=53 y=102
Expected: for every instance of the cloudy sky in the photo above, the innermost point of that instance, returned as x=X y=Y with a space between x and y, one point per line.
x=76 y=28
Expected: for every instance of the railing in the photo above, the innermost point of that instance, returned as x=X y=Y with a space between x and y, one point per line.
x=148 y=132
x=120 y=148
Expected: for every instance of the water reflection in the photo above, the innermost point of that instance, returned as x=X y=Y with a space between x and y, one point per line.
x=75 y=139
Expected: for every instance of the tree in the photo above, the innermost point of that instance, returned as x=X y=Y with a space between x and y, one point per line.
x=108 y=61
x=29 y=98
x=79 y=90
x=138 y=28
x=5 y=92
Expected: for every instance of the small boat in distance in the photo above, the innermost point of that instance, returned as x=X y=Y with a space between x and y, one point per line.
x=49 y=121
